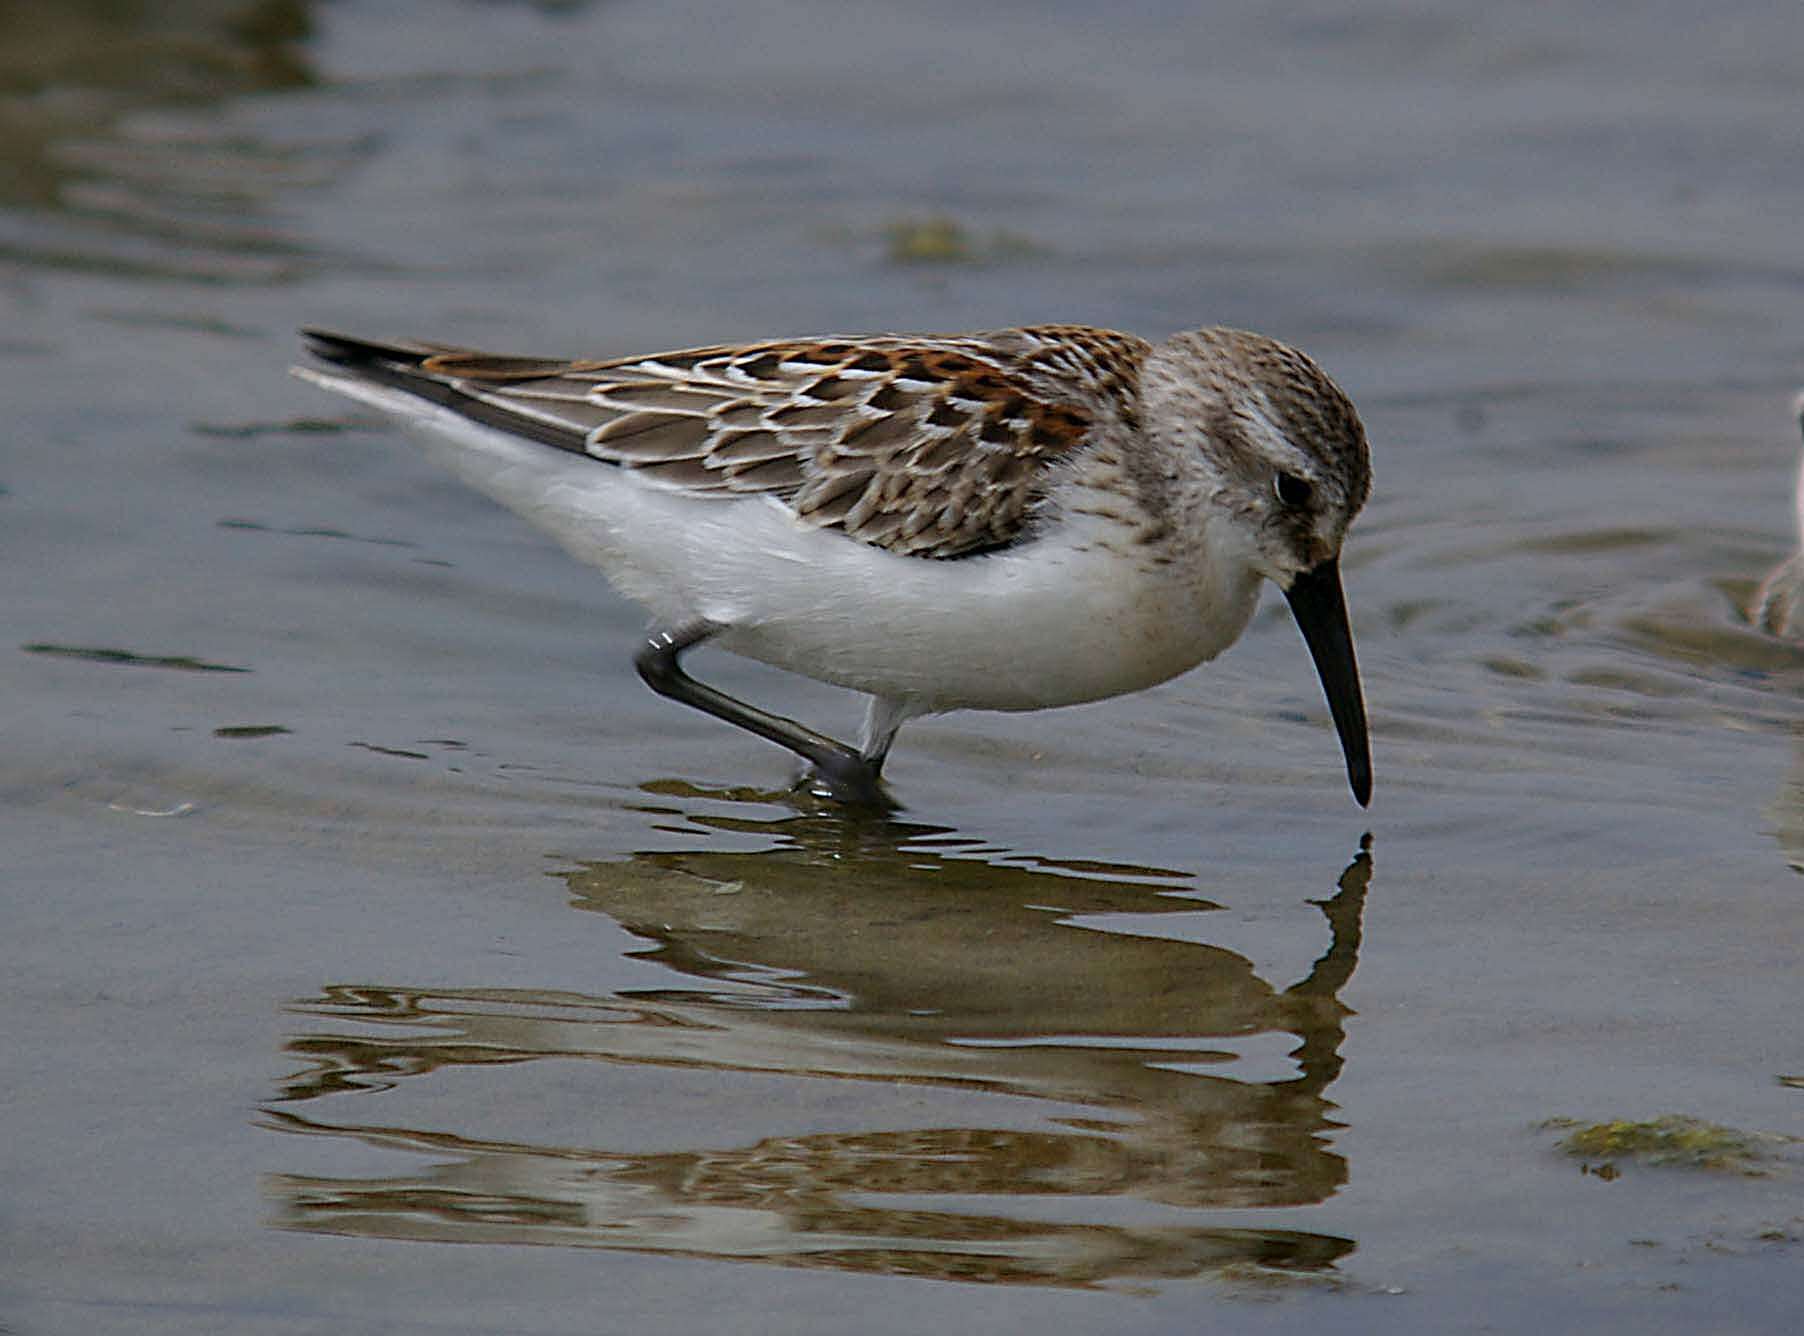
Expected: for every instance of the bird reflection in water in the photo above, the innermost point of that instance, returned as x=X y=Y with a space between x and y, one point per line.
x=1100 y=1065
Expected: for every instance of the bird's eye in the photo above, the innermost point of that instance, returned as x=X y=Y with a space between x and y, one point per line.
x=1292 y=490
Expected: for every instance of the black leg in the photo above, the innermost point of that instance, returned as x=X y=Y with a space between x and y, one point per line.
x=851 y=777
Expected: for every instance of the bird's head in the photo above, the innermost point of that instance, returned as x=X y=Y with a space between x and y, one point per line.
x=1258 y=434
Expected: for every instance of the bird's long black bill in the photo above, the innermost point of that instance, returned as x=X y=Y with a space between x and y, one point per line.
x=1320 y=608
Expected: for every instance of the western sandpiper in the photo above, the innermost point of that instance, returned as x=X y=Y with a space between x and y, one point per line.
x=1779 y=605
x=1009 y=520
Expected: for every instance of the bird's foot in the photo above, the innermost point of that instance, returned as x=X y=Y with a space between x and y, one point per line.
x=850 y=780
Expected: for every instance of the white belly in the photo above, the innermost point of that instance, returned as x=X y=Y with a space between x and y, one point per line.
x=1058 y=621
x=1048 y=624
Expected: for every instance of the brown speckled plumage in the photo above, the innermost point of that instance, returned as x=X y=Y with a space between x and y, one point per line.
x=925 y=446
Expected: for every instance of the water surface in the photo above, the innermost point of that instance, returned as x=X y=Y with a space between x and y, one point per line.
x=380 y=953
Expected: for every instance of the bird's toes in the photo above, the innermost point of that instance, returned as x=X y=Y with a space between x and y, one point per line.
x=848 y=780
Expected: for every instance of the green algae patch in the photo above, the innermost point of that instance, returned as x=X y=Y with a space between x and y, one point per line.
x=1671 y=1141
x=929 y=241
x=938 y=239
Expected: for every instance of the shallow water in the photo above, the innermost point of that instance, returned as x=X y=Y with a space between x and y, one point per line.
x=363 y=903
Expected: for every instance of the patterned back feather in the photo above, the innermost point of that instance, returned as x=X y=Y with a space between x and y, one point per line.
x=924 y=446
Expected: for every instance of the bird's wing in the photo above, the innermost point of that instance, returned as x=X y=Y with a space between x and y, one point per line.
x=925 y=446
